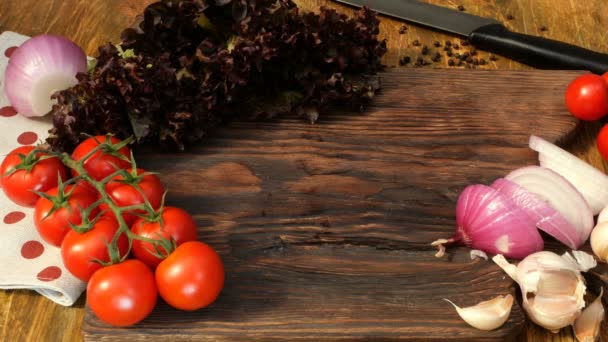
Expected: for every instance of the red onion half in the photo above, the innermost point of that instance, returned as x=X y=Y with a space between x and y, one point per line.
x=492 y=222
x=40 y=67
x=559 y=194
x=546 y=217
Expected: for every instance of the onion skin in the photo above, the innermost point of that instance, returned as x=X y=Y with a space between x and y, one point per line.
x=38 y=68
x=491 y=222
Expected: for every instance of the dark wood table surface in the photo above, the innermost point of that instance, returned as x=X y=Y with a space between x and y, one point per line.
x=27 y=316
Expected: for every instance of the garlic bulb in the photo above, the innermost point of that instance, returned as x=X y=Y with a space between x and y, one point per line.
x=487 y=315
x=599 y=240
x=587 y=325
x=552 y=286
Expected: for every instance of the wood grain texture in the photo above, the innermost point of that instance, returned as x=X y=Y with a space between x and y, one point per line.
x=92 y=22
x=325 y=229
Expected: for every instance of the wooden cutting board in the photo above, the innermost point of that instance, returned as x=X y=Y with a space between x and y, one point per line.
x=325 y=229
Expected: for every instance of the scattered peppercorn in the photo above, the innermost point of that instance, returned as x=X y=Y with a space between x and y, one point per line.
x=448 y=43
x=456 y=47
x=416 y=43
x=543 y=28
x=482 y=61
x=466 y=55
x=464 y=42
x=405 y=60
x=459 y=63
x=450 y=62
x=436 y=57
x=425 y=50
x=436 y=44
x=449 y=53
x=510 y=17
x=402 y=29
x=457 y=55
x=461 y=8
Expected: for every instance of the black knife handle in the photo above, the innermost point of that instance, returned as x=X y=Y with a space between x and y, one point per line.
x=538 y=52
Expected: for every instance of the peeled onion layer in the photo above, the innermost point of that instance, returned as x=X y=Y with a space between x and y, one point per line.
x=559 y=194
x=491 y=222
x=589 y=181
x=546 y=217
x=38 y=68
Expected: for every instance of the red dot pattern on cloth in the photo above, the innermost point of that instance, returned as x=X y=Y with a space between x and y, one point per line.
x=8 y=111
x=49 y=274
x=27 y=138
x=32 y=249
x=8 y=52
x=13 y=217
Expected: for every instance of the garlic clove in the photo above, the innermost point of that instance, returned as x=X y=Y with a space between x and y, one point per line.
x=603 y=215
x=552 y=286
x=552 y=312
x=487 y=315
x=599 y=240
x=587 y=326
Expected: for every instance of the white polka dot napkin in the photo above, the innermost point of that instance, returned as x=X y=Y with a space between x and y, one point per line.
x=26 y=261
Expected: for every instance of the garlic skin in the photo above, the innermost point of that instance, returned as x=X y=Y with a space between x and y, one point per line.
x=599 y=240
x=587 y=325
x=552 y=286
x=477 y=254
x=487 y=315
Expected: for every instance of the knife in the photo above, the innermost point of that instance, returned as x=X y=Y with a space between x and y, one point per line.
x=490 y=35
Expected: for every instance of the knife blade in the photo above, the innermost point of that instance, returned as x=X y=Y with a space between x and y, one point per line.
x=490 y=35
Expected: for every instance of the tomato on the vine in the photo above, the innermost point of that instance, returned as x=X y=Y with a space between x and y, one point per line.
x=124 y=192
x=122 y=294
x=21 y=174
x=191 y=277
x=104 y=162
x=587 y=97
x=81 y=251
x=52 y=218
x=172 y=224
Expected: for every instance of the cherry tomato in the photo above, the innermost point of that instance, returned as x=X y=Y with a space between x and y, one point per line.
x=20 y=185
x=587 y=97
x=176 y=224
x=122 y=294
x=602 y=142
x=52 y=219
x=125 y=194
x=191 y=277
x=103 y=162
x=80 y=250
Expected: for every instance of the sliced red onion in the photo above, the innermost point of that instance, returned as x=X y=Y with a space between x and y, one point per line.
x=40 y=67
x=589 y=181
x=559 y=194
x=491 y=222
x=546 y=217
